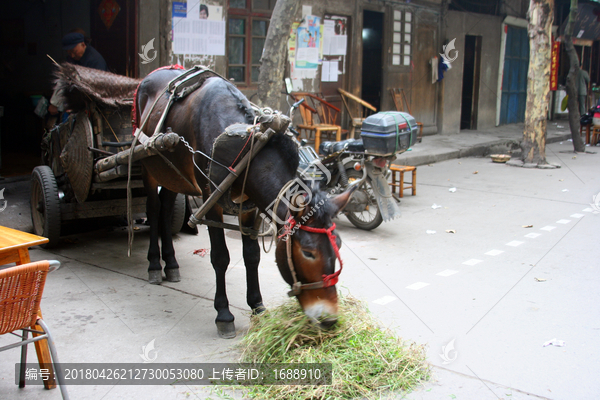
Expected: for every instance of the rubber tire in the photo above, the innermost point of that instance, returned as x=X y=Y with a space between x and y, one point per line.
x=44 y=190
x=357 y=222
x=178 y=214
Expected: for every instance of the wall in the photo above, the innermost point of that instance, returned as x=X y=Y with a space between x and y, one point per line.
x=422 y=94
x=458 y=25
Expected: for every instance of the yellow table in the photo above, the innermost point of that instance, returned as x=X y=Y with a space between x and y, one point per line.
x=14 y=247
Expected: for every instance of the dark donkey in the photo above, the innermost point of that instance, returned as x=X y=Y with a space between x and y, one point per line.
x=306 y=261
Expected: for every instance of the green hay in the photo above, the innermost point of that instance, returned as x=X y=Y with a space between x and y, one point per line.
x=368 y=361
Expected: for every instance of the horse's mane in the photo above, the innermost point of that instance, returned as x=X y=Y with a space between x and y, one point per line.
x=242 y=102
x=287 y=148
x=320 y=206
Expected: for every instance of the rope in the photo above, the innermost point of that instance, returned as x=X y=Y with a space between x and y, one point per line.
x=251 y=138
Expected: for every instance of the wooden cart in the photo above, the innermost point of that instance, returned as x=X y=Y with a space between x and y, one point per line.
x=84 y=172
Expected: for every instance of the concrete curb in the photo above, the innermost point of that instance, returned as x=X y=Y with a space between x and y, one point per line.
x=434 y=155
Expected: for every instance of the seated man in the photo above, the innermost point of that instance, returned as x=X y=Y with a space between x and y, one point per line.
x=82 y=54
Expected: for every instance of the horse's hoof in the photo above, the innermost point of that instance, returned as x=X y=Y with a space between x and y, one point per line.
x=259 y=309
x=172 y=274
x=226 y=330
x=155 y=277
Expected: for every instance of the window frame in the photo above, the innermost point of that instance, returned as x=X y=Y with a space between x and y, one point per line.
x=249 y=15
x=402 y=54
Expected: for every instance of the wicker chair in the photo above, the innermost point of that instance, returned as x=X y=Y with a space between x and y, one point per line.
x=21 y=289
x=358 y=110
x=318 y=118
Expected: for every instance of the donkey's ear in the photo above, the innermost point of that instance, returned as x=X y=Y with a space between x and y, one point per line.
x=341 y=200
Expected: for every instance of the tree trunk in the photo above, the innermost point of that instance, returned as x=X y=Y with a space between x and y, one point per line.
x=540 y=17
x=274 y=53
x=572 y=90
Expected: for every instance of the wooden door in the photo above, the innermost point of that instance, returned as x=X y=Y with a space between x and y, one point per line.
x=114 y=34
x=514 y=79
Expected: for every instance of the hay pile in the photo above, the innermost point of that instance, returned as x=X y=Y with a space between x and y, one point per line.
x=368 y=361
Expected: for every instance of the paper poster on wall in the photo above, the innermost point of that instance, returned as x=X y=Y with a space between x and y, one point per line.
x=330 y=71
x=198 y=29
x=292 y=42
x=308 y=42
x=335 y=38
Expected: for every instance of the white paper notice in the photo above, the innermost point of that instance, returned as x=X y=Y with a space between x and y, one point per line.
x=306 y=10
x=308 y=54
x=329 y=71
x=198 y=36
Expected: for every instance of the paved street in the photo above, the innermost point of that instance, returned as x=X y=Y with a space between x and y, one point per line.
x=520 y=269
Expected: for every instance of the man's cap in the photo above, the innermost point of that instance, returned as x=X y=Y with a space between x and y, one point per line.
x=71 y=40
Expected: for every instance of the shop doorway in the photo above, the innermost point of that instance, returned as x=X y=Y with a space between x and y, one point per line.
x=372 y=73
x=114 y=34
x=471 y=77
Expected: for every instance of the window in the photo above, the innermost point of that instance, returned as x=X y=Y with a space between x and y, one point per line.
x=402 y=34
x=247 y=27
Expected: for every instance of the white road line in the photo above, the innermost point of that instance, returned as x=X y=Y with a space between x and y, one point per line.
x=494 y=252
x=385 y=300
x=514 y=243
x=587 y=209
x=472 y=261
x=563 y=221
x=548 y=228
x=447 y=272
x=577 y=216
x=533 y=235
x=417 y=285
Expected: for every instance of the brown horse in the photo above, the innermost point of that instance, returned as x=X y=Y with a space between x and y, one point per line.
x=306 y=260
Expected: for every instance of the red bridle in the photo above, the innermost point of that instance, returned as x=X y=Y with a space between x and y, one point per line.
x=328 y=280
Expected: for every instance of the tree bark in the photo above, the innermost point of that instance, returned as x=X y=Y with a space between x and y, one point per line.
x=572 y=89
x=274 y=53
x=540 y=17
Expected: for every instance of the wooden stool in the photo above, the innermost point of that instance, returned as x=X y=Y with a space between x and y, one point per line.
x=398 y=182
x=587 y=134
x=595 y=135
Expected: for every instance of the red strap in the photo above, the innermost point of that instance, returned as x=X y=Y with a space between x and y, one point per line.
x=328 y=280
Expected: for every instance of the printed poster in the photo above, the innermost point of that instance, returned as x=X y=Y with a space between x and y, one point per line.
x=335 y=38
x=308 y=43
x=198 y=29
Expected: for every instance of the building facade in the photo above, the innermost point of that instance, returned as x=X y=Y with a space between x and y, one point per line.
x=381 y=45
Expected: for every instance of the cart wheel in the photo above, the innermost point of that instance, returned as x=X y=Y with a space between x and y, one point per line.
x=178 y=214
x=45 y=205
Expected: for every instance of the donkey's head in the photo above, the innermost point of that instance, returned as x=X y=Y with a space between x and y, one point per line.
x=307 y=252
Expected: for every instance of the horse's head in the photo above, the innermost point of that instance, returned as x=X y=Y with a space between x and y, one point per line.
x=307 y=252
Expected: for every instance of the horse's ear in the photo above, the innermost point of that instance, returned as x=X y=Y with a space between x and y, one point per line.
x=298 y=205
x=341 y=200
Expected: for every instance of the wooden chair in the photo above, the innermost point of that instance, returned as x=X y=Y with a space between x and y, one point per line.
x=400 y=102
x=318 y=118
x=361 y=108
x=21 y=289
